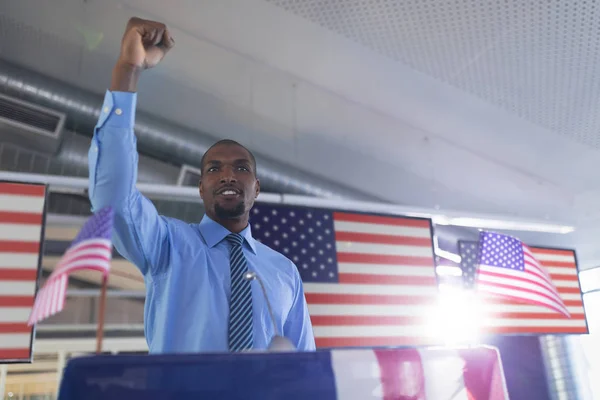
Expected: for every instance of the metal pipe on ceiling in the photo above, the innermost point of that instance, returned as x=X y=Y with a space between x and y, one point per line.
x=161 y=139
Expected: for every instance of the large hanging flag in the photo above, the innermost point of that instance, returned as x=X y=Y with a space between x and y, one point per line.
x=22 y=207
x=369 y=280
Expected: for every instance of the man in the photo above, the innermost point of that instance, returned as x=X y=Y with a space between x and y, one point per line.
x=197 y=297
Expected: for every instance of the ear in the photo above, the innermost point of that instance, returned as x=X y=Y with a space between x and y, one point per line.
x=200 y=189
x=257 y=188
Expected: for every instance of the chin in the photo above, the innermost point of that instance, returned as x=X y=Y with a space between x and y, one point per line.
x=231 y=212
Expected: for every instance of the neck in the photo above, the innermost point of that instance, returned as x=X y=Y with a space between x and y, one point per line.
x=234 y=225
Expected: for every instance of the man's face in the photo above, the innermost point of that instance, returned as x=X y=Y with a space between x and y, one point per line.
x=228 y=185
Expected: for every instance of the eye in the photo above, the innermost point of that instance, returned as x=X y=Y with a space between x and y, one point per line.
x=212 y=169
x=244 y=168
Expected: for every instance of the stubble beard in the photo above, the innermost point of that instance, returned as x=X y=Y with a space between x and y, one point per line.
x=230 y=213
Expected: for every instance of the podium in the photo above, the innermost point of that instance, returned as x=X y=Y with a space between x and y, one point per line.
x=399 y=374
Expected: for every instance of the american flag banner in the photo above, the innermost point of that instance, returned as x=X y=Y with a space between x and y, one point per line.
x=533 y=291
x=91 y=250
x=369 y=280
x=22 y=216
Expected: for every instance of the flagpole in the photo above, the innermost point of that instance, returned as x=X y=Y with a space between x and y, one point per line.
x=101 y=312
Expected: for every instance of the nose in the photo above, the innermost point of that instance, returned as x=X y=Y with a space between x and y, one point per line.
x=228 y=175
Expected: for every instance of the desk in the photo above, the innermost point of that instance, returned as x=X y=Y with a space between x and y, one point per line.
x=403 y=374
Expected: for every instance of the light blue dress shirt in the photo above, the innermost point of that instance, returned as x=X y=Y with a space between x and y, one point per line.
x=185 y=265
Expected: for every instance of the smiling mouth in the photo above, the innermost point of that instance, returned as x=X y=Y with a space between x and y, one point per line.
x=228 y=193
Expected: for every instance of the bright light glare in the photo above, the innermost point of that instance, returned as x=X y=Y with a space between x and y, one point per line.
x=456 y=319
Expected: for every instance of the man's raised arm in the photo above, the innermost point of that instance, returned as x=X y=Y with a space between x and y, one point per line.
x=141 y=234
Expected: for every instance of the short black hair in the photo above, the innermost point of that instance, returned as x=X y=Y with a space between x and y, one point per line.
x=228 y=142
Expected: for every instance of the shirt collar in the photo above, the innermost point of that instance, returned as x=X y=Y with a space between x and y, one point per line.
x=213 y=233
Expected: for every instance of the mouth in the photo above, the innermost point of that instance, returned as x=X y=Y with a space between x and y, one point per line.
x=229 y=192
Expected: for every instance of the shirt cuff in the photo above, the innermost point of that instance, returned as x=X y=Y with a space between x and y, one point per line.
x=118 y=110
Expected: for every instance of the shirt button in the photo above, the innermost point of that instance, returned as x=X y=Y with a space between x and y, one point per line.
x=118 y=111
x=105 y=109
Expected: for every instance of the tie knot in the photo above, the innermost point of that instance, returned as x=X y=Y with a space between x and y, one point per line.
x=235 y=239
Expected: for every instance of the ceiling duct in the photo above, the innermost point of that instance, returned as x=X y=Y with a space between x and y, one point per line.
x=29 y=125
x=162 y=139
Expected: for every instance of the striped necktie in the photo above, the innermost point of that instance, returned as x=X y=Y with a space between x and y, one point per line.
x=240 y=308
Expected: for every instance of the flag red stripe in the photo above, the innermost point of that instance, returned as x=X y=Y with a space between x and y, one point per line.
x=520 y=300
x=373 y=320
x=22 y=189
x=19 y=247
x=375 y=219
x=537 y=272
x=546 y=291
x=335 y=298
x=560 y=264
x=492 y=299
x=527 y=315
x=14 y=354
x=9 y=217
x=365 y=320
x=535 y=329
x=393 y=373
x=16 y=301
x=552 y=252
x=67 y=264
x=382 y=239
x=371 y=341
x=387 y=279
x=18 y=274
x=569 y=290
x=384 y=259
x=15 y=328
x=560 y=277
x=514 y=287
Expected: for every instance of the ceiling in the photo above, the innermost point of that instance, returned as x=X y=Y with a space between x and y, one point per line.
x=482 y=106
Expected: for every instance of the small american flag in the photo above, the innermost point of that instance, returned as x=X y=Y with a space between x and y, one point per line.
x=507 y=268
x=504 y=315
x=369 y=280
x=91 y=250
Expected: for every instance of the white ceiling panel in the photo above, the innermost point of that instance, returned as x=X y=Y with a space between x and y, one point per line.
x=478 y=105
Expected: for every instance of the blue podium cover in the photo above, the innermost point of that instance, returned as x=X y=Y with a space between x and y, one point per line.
x=403 y=374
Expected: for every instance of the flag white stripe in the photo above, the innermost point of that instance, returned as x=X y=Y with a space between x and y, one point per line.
x=20 y=232
x=544 y=257
x=81 y=248
x=371 y=331
x=443 y=372
x=381 y=229
x=531 y=323
x=561 y=271
x=68 y=268
x=383 y=249
x=21 y=203
x=565 y=284
x=14 y=340
x=357 y=375
x=18 y=260
x=545 y=288
x=14 y=314
x=377 y=269
x=371 y=310
x=17 y=288
x=55 y=297
x=417 y=311
x=519 y=294
x=63 y=291
x=342 y=288
x=422 y=331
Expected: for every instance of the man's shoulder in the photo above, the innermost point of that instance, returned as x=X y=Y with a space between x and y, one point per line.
x=178 y=227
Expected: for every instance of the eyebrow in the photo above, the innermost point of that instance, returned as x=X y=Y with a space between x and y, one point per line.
x=235 y=162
